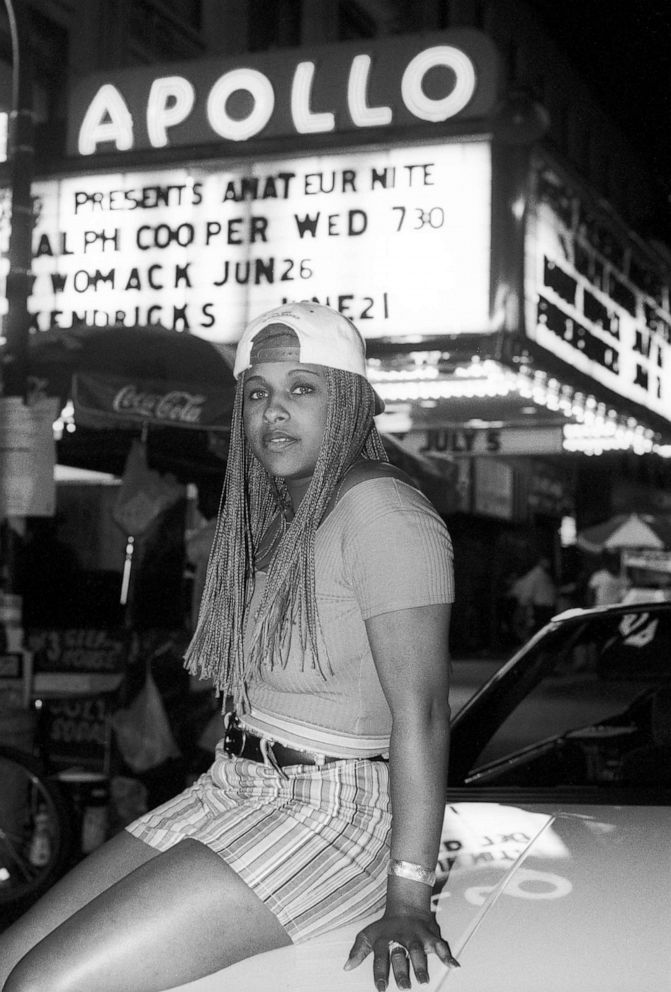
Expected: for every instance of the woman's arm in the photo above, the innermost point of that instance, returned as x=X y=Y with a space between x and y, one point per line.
x=410 y=648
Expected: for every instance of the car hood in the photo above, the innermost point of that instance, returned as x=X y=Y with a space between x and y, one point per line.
x=567 y=898
x=530 y=897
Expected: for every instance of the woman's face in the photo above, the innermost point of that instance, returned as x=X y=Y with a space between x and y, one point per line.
x=284 y=416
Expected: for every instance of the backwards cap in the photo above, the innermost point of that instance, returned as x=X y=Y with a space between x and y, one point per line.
x=305 y=332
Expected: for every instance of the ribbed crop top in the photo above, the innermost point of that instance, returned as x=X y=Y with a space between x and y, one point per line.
x=382 y=548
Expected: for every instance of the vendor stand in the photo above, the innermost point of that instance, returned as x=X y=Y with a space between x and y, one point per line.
x=648 y=574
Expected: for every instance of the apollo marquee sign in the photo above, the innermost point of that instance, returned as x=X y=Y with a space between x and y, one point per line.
x=354 y=87
x=396 y=238
x=332 y=173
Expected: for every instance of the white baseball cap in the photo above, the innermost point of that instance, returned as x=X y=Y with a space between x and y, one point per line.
x=305 y=332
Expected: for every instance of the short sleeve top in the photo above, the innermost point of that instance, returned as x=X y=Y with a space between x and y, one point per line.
x=382 y=548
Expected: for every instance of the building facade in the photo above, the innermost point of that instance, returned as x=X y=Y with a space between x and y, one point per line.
x=438 y=172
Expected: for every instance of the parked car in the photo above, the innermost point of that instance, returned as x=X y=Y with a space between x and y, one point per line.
x=555 y=863
x=583 y=709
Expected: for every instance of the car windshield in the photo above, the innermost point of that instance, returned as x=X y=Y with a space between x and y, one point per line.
x=588 y=703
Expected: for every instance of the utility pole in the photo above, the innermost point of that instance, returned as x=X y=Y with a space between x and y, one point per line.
x=20 y=155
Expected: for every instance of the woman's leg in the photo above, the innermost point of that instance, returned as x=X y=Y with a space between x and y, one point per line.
x=175 y=917
x=102 y=868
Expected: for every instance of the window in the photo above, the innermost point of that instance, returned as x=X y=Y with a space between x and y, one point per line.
x=274 y=24
x=163 y=31
x=354 y=22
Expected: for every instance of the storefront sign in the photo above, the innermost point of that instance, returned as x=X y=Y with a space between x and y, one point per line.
x=16 y=671
x=594 y=298
x=493 y=488
x=398 y=239
x=629 y=496
x=354 y=86
x=465 y=440
x=11 y=668
x=77 y=649
x=76 y=731
x=648 y=560
x=27 y=458
x=549 y=489
x=5 y=107
x=77 y=660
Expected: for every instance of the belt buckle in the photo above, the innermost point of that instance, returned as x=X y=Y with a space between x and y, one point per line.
x=235 y=737
x=269 y=759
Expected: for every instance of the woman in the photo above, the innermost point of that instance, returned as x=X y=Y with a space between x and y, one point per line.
x=324 y=625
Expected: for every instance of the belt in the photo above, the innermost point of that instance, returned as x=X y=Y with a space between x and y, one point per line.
x=241 y=743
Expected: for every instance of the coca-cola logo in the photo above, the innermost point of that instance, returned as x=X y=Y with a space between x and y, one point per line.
x=175 y=406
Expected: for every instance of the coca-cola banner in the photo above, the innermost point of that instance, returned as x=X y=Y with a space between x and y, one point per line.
x=98 y=398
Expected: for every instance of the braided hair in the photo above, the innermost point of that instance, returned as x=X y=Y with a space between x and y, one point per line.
x=251 y=500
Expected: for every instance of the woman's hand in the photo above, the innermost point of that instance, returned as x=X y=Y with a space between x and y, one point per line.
x=397 y=942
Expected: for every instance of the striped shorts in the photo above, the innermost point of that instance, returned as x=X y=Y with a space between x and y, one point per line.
x=314 y=846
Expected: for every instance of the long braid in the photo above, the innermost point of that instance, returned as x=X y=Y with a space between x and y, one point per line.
x=250 y=502
x=215 y=650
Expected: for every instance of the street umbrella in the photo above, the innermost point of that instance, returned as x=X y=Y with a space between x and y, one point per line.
x=627 y=530
x=172 y=386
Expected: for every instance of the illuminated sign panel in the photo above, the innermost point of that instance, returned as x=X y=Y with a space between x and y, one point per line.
x=466 y=441
x=398 y=239
x=593 y=296
x=406 y=80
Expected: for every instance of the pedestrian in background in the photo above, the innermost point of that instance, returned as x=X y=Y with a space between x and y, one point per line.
x=607 y=584
x=536 y=596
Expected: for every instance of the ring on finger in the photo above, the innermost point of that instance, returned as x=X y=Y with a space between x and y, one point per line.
x=395 y=948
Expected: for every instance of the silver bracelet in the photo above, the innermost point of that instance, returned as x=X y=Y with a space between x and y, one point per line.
x=406 y=869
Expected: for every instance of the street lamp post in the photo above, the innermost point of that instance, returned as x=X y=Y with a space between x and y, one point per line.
x=20 y=155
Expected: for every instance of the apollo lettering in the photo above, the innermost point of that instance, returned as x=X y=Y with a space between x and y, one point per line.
x=173 y=101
